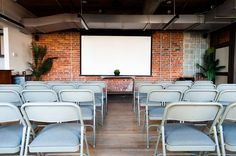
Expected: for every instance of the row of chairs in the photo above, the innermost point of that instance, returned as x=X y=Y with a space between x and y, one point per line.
x=197 y=127
x=83 y=97
x=64 y=131
x=156 y=101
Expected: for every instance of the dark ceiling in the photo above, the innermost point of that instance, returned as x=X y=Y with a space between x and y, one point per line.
x=126 y=7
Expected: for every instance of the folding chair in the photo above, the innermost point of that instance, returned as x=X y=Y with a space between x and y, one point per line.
x=36 y=86
x=186 y=82
x=200 y=95
x=11 y=96
x=203 y=86
x=143 y=92
x=227 y=129
x=86 y=100
x=39 y=96
x=202 y=82
x=12 y=131
x=15 y=87
x=99 y=97
x=226 y=97
x=189 y=136
x=222 y=87
x=62 y=86
x=156 y=102
x=65 y=131
x=179 y=87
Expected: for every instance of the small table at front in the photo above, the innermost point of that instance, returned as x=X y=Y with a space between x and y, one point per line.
x=119 y=84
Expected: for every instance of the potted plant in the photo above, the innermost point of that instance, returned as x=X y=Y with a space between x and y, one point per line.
x=210 y=65
x=40 y=65
x=117 y=72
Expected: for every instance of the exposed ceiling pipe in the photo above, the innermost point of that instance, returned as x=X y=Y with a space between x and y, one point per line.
x=10 y=20
x=167 y=25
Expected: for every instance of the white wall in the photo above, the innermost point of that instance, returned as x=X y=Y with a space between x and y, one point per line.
x=2 y=63
x=17 y=48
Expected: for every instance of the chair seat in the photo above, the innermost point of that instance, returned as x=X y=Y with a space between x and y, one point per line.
x=143 y=100
x=156 y=113
x=10 y=138
x=87 y=112
x=229 y=131
x=98 y=100
x=181 y=137
x=63 y=137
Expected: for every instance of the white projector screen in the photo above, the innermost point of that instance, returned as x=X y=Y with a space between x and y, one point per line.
x=101 y=55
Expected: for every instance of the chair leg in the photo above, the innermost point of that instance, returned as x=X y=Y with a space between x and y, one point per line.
x=156 y=147
x=147 y=128
x=27 y=142
x=23 y=141
x=216 y=141
x=102 y=114
x=138 y=114
x=86 y=144
x=222 y=141
x=163 y=141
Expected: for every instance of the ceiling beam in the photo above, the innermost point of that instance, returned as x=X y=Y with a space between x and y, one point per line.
x=150 y=6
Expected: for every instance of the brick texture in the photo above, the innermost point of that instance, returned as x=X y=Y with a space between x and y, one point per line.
x=167 y=58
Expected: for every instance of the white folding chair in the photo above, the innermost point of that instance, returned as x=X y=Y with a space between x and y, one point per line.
x=12 y=130
x=180 y=87
x=203 y=86
x=226 y=97
x=187 y=136
x=62 y=86
x=222 y=87
x=227 y=129
x=155 y=105
x=143 y=92
x=185 y=82
x=202 y=82
x=36 y=86
x=86 y=100
x=39 y=96
x=58 y=136
x=15 y=87
x=11 y=96
x=99 y=97
x=200 y=95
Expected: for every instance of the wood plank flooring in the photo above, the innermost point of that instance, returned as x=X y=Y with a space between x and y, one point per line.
x=120 y=135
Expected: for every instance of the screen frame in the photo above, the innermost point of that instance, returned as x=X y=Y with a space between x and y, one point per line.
x=115 y=33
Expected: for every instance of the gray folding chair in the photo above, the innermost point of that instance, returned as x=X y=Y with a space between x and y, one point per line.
x=62 y=86
x=189 y=136
x=143 y=92
x=200 y=95
x=36 y=86
x=226 y=97
x=11 y=96
x=136 y=86
x=39 y=96
x=58 y=136
x=227 y=129
x=15 y=87
x=99 y=97
x=222 y=87
x=186 y=82
x=86 y=100
x=179 y=87
x=202 y=82
x=203 y=86
x=12 y=131
x=156 y=102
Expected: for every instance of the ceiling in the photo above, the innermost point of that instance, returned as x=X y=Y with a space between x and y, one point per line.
x=57 y=15
x=128 y=7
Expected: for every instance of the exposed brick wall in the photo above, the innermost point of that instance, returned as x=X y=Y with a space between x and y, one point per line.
x=167 y=56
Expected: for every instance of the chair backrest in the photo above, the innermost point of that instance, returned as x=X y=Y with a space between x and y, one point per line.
x=51 y=112
x=77 y=96
x=58 y=87
x=10 y=96
x=179 y=87
x=200 y=95
x=229 y=113
x=226 y=97
x=164 y=96
x=203 y=86
x=36 y=86
x=137 y=84
x=203 y=82
x=192 y=112
x=39 y=96
x=10 y=113
x=185 y=82
x=35 y=82
x=164 y=83
x=15 y=87
x=93 y=87
x=100 y=83
x=222 y=87
x=147 y=88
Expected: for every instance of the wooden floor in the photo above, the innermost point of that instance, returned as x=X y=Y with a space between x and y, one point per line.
x=120 y=135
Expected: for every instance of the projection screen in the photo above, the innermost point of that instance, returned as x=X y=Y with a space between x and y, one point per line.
x=101 y=55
